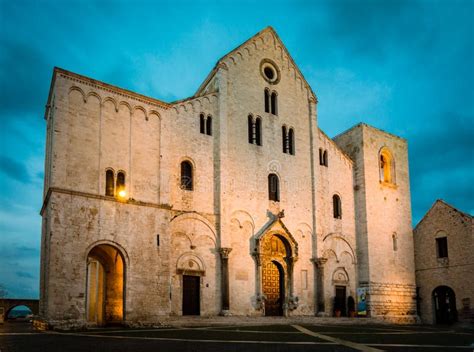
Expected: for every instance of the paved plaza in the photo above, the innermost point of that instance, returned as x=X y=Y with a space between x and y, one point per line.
x=278 y=334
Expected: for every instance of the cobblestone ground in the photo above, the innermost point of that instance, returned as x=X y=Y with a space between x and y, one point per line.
x=244 y=334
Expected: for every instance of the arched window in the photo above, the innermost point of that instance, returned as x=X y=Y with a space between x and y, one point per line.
x=202 y=124
x=186 y=176
x=394 y=242
x=250 y=129
x=321 y=160
x=274 y=104
x=109 y=183
x=325 y=158
x=273 y=188
x=336 y=205
x=120 y=186
x=291 y=141
x=258 y=131
x=209 y=125
x=267 y=100
x=386 y=166
x=284 y=138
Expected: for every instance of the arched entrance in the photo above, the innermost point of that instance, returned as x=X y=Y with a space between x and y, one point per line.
x=273 y=284
x=275 y=270
x=105 y=285
x=444 y=301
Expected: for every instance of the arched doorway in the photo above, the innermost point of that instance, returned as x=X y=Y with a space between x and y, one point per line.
x=444 y=301
x=105 y=285
x=273 y=283
x=275 y=270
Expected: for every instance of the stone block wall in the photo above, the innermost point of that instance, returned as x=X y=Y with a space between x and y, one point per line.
x=456 y=271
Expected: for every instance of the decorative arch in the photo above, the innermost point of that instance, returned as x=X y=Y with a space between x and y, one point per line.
x=111 y=100
x=142 y=109
x=127 y=105
x=337 y=244
x=176 y=220
x=190 y=263
x=154 y=113
x=242 y=217
x=78 y=89
x=340 y=276
x=95 y=95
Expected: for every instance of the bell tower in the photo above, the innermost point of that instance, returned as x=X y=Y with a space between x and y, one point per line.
x=383 y=221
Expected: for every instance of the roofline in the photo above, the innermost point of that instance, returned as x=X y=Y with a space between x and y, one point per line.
x=103 y=85
x=336 y=146
x=363 y=124
x=266 y=29
x=446 y=204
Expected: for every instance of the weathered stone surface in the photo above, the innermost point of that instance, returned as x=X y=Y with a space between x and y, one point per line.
x=94 y=127
x=456 y=270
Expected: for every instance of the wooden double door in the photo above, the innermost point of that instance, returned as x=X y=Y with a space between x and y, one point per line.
x=273 y=288
x=191 y=295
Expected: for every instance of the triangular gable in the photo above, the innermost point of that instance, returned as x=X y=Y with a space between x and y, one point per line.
x=268 y=29
x=276 y=224
x=442 y=203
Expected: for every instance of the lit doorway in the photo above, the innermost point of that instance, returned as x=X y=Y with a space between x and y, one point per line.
x=105 y=285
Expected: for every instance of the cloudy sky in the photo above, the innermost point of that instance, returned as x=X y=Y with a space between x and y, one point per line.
x=403 y=66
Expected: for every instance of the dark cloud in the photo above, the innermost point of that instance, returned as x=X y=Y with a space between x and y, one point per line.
x=13 y=252
x=25 y=275
x=371 y=27
x=14 y=169
x=24 y=72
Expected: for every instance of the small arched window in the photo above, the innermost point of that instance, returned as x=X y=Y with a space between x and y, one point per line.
x=258 y=131
x=274 y=103
x=284 y=138
x=321 y=160
x=186 y=176
x=386 y=166
x=202 y=124
x=273 y=188
x=209 y=125
x=325 y=158
x=336 y=205
x=109 y=183
x=291 y=141
x=394 y=242
x=267 y=100
x=250 y=128
x=120 y=186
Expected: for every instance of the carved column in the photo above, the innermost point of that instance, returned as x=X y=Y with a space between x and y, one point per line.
x=224 y=252
x=319 y=267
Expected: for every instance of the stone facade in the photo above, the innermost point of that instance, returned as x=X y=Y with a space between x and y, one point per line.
x=155 y=234
x=447 y=275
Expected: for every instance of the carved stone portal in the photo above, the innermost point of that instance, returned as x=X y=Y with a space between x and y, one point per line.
x=275 y=254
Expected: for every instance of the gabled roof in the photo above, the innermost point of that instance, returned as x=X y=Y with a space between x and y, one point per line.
x=442 y=203
x=268 y=29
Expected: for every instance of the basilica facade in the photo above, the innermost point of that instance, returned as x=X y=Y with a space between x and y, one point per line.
x=230 y=202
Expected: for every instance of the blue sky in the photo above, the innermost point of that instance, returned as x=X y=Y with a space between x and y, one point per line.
x=403 y=66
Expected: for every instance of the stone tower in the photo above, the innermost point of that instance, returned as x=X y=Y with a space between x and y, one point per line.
x=383 y=220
